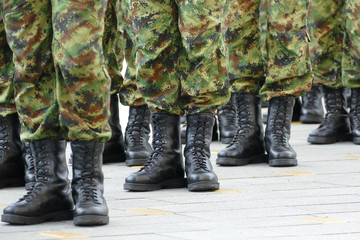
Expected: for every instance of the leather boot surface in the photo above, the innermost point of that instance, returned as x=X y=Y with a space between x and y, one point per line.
x=355 y=114
x=198 y=168
x=50 y=198
x=88 y=184
x=248 y=143
x=11 y=165
x=277 y=133
x=114 y=150
x=183 y=127
x=138 y=148
x=228 y=125
x=336 y=125
x=164 y=168
x=312 y=110
x=29 y=164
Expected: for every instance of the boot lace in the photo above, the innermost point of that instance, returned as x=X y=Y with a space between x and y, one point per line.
x=199 y=145
x=279 y=122
x=86 y=182
x=244 y=117
x=355 y=107
x=136 y=126
x=157 y=144
x=3 y=137
x=310 y=98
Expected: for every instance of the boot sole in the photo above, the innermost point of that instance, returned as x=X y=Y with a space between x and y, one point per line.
x=290 y=162
x=328 y=140
x=135 y=162
x=356 y=140
x=311 y=119
x=141 y=187
x=91 y=220
x=12 y=182
x=24 y=220
x=203 y=186
x=226 y=161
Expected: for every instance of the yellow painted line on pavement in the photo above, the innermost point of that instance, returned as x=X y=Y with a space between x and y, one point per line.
x=148 y=211
x=352 y=156
x=63 y=235
x=228 y=191
x=295 y=173
x=2 y=205
x=296 y=123
x=215 y=152
x=136 y=166
x=323 y=220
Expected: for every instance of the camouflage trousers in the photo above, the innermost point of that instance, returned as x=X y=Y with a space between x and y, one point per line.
x=179 y=65
x=62 y=88
x=118 y=45
x=335 y=42
x=7 y=103
x=267 y=47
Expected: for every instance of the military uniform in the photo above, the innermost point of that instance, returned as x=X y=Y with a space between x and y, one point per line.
x=62 y=91
x=180 y=69
x=334 y=27
x=267 y=52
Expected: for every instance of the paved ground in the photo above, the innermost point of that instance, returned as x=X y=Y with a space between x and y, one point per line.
x=319 y=199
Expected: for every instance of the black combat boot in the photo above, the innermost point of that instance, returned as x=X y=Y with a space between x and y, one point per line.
x=11 y=164
x=183 y=127
x=295 y=115
x=199 y=172
x=277 y=132
x=138 y=148
x=355 y=114
x=114 y=150
x=50 y=198
x=336 y=124
x=165 y=167
x=228 y=125
x=87 y=184
x=29 y=164
x=248 y=143
x=312 y=110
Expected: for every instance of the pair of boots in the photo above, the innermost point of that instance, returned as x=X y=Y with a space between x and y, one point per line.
x=249 y=144
x=136 y=148
x=16 y=162
x=165 y=167
x=339 y=125
x=50 y=198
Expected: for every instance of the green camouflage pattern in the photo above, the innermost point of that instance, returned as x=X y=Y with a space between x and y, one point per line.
x=114 y=47
x=351 y=59
x=129 y=94
x=179 y=64
x=335 y=33
x=62 y=87
x=267 y=47
x=7 y=102
x=117 y=47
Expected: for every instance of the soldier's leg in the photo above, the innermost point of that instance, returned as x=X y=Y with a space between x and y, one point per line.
x=246 y=71
x=29 y=33
x=83 y=90
x=114 y=50
x=11 y=166
x=326 y=26
x=158 y=44
x=285 y=50
x=137 y=133
x=351 y=63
